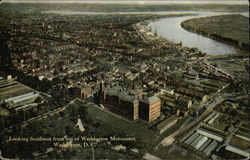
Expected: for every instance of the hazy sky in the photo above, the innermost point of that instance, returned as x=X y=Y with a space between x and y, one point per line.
x=125 y=0
x=143 y=1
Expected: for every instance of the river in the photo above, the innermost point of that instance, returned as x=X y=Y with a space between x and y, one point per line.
x=171 y=29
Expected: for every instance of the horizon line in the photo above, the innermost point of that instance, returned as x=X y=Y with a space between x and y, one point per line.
x=129 y=2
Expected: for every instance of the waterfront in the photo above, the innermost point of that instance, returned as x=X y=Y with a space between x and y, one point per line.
x=170 y=28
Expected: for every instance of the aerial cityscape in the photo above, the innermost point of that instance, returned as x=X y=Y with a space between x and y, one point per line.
x=165 y=80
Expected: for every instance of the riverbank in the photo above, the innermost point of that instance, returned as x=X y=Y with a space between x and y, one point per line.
x=236 y=34
x=148 y=34
x=170 y=29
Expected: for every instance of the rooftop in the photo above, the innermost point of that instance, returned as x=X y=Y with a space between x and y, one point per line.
x=151 y=100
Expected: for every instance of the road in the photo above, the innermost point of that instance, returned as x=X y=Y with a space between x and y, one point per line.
x=171 y=138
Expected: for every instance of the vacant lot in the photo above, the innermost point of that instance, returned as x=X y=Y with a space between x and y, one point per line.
x=233 y=29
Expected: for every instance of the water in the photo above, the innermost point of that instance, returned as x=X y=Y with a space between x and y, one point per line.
x=171 y=29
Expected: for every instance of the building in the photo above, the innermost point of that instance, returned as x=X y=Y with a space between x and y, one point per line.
x=167 y=123
x=86 y=92
x=129 y=104
x=197 y=95
x=168 y=100
x=120 y=102
x=238 y=151
x=81 y=92
x=17 y=96
x=175 y=104
x=150 y=108
x=22 y=99
x=184 y=113
x=184 y=102
x=12 y=88
x=167 y=90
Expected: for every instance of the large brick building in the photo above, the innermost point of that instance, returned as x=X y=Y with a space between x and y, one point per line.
x=120 y=102
x=127 y=104
x=150 y=108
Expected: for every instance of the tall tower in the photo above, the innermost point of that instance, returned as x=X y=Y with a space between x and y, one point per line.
x=5 y=59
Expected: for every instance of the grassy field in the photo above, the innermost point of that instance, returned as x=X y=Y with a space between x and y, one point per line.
x=233 y=29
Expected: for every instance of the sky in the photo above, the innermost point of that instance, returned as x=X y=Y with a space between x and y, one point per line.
x=137 y=1
x=127 y=0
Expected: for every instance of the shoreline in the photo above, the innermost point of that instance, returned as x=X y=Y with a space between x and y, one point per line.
x=143 y=29
x=152 y=37
x=217 y=37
